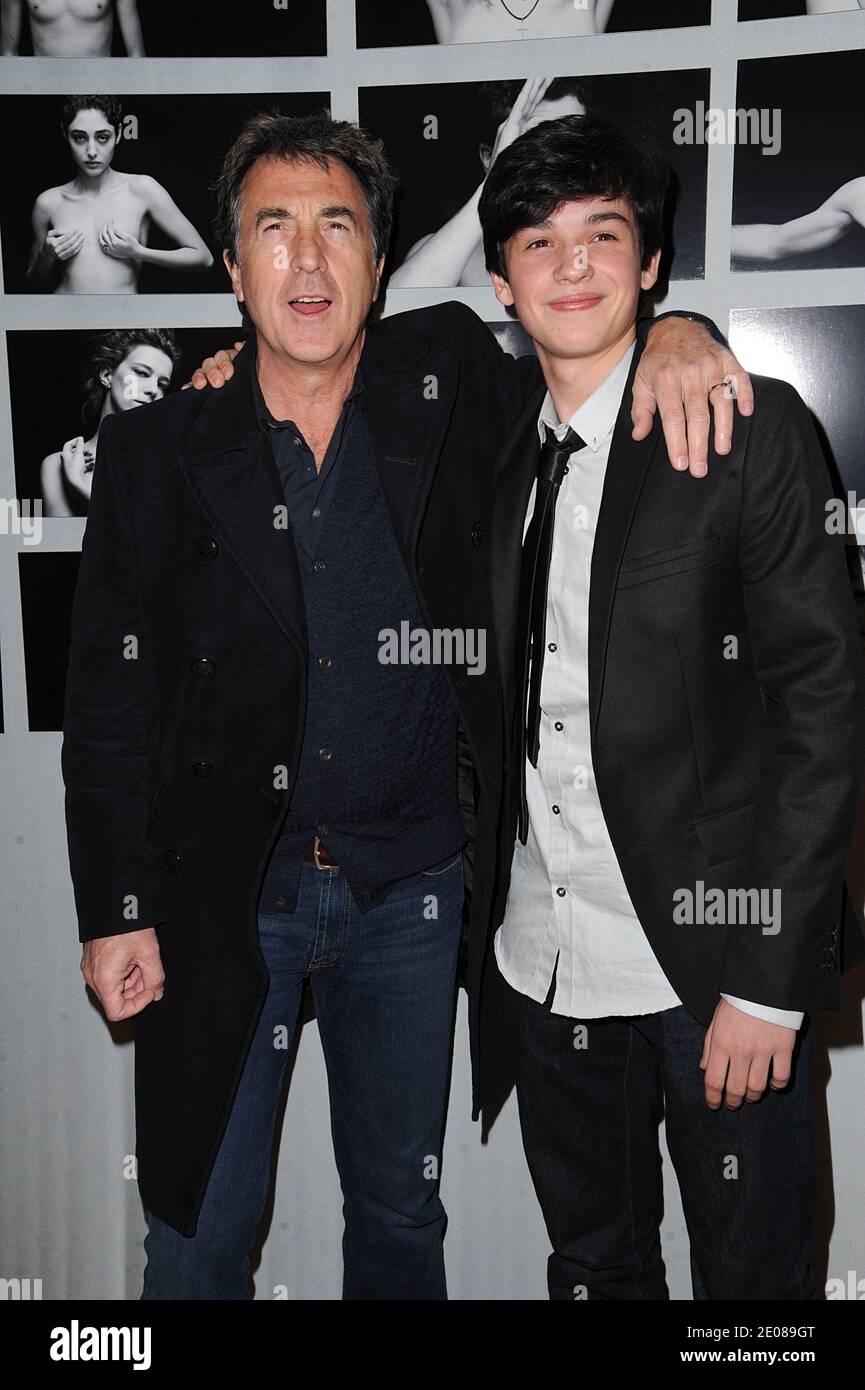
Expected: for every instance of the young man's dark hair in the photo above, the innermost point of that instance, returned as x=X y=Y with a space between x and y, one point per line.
x=317 y=138
x=109 y=107
x=547 y=166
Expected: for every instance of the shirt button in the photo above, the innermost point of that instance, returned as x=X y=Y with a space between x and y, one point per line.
x=324 y=754
x=560 y=892
x=324 y=662
x=559 y=725
x=552 y=647
x=556 y=810
x=316 y=511
x=319 y=567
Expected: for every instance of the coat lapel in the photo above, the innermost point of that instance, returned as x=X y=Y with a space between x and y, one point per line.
x=408 y=398
x=229 y=465
x=627 y=466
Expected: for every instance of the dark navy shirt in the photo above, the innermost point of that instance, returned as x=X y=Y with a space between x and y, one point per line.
x=308 y=493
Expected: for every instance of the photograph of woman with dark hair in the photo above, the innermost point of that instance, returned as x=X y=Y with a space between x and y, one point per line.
x=95 y=227
x=127 y=368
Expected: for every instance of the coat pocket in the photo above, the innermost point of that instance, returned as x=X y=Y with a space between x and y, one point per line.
x=726 y=834
x=659 y=564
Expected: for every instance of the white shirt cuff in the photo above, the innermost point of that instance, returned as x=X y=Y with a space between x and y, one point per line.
x=785 y=1018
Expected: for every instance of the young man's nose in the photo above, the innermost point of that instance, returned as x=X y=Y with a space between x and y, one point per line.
x=575 y=264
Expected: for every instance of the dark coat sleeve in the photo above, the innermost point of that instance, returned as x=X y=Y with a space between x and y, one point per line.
x=107 y=722
x=806 y=650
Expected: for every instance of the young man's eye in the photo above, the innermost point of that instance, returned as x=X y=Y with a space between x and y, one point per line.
x=538 y=241
x=611 y=235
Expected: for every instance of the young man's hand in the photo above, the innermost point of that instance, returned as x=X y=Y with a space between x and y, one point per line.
x=216 y=370
x=680 y=366
x=737 y=1053
x=124 y=971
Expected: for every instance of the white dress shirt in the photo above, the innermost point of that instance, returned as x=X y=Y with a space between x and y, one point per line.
x=567 y=900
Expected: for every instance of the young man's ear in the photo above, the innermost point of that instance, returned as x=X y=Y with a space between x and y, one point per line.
x=649 y=276
x=502 y=289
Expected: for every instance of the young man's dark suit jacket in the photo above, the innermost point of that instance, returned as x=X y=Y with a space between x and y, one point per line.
x=169 y=758
x=735 y=772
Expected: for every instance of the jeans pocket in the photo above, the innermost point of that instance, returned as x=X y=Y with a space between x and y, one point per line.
x=445 y=867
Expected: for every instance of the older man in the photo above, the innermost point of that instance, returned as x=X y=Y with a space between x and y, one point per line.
x=257 y=794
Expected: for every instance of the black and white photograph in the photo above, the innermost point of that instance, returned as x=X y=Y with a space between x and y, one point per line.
x=444 y=138
x=110 y=195
x=161 y=28
x=432 y=670
x=786 y=9
x=63 y=386
x=802 y=206
x=488 y=21
x=820 y=351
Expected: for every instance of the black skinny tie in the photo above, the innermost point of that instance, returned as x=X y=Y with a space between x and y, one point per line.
x=534 y=584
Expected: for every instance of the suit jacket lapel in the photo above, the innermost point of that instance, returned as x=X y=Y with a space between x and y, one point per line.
x=626 y=470
x=515 y=478
x=627 y=466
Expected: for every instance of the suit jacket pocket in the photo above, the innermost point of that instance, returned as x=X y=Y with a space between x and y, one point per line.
x=726 y=834
x=658 y=564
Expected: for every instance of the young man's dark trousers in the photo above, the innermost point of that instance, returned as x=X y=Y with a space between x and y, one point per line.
x=588 y=1100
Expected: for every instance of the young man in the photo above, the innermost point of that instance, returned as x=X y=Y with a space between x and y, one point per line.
x=253 y=797
x=95 y=228
x=684 y=688
x=72 y=28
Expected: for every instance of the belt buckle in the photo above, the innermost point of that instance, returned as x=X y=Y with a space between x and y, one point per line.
x=315 y=844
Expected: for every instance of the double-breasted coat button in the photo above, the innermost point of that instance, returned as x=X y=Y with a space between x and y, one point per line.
x=477 y=533
x=173 y=860
x=206 y=548
x=319 y=567
x=203 y=666
x=201 y=769
x=324 y=754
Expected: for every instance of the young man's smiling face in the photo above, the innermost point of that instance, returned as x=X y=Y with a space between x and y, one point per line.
x=575 y=282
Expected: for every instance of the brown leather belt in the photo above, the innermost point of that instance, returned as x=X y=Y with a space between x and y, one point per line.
x=316 y=854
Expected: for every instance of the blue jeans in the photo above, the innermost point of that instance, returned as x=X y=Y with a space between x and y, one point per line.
x=384 y=985
x=588 y=1115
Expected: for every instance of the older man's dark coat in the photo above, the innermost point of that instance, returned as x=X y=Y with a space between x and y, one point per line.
x=186 y=686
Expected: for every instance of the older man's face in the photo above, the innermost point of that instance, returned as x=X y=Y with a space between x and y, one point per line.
x=305 y=270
